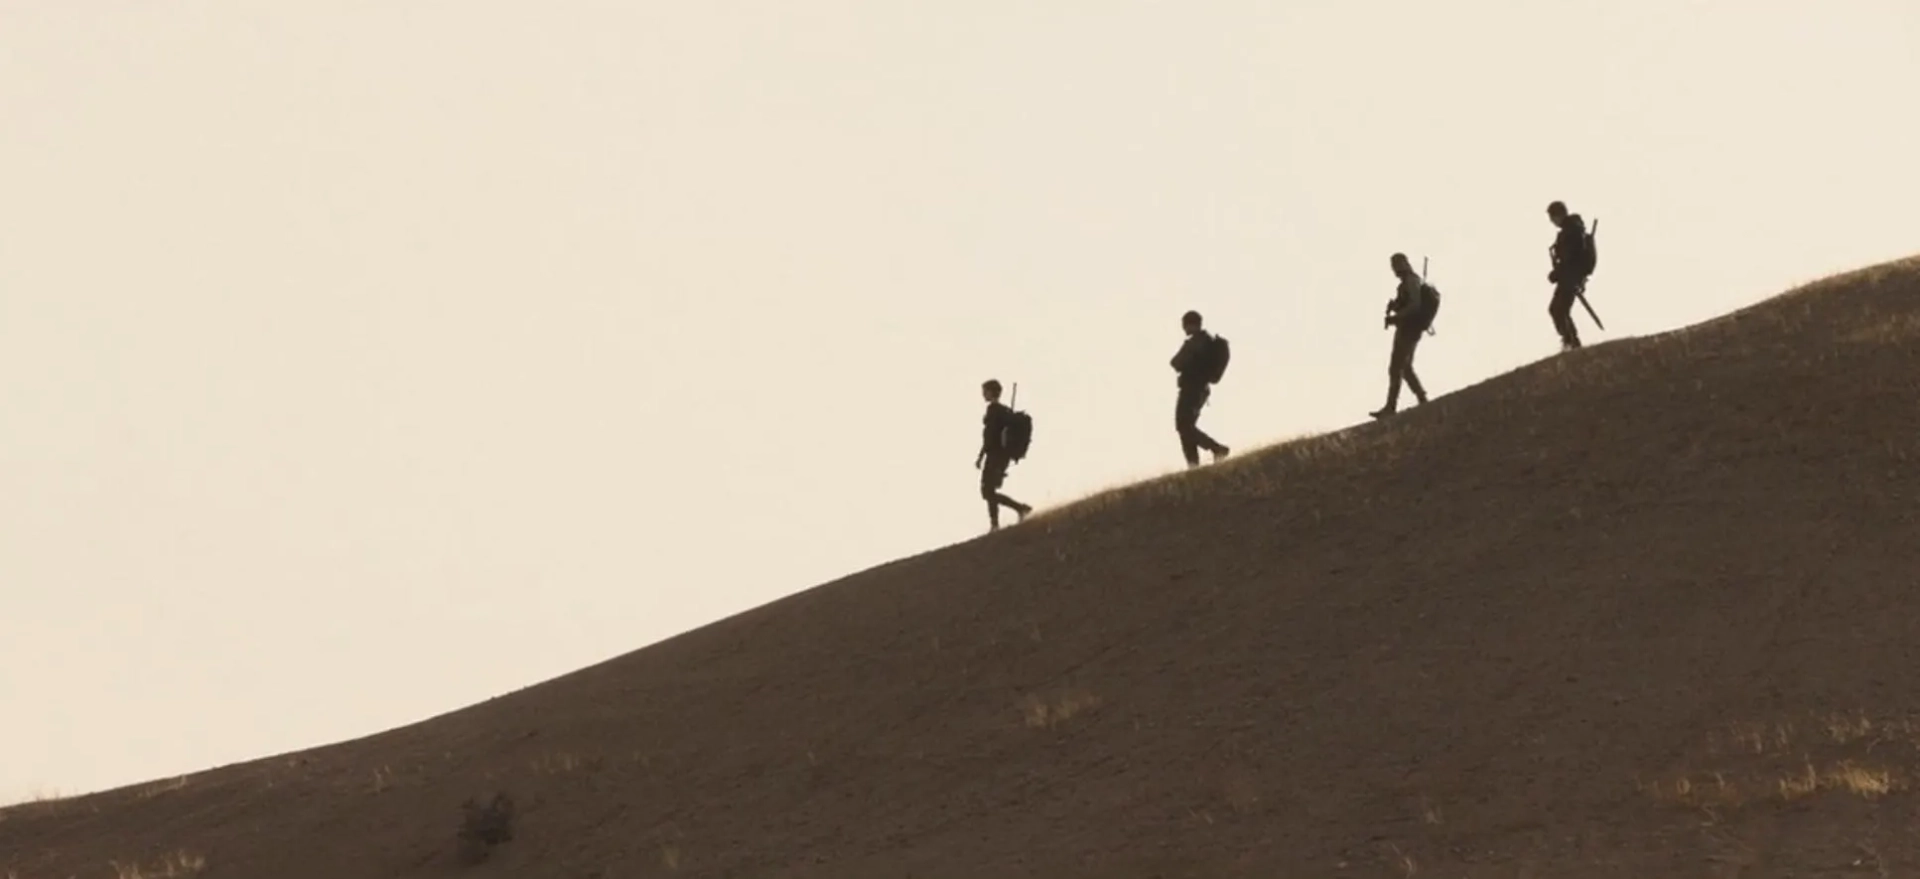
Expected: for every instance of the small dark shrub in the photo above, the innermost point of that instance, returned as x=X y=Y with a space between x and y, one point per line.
x=485 y=826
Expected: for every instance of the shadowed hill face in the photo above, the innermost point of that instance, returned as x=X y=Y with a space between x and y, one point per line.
x=1639 y=610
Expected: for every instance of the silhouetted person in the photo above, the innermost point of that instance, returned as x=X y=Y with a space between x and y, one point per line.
x=1410 y=314
x=1196 y=365
x=993 y=458
x=1569 y=275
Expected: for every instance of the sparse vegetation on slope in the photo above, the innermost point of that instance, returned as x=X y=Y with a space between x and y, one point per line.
x=1639 y=610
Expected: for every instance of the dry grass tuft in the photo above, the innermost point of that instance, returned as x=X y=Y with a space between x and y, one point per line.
x=1405 y=861
x=1856 y=780
x=1844 y=728
x=43 y=797
x=1719 y=791
x=1855 y=753
x=1830 y=729
x=1760 y=738
x=561 y=762
x=1896 y=330
x=178 y=864
x=1711 y=791
x=163 y=787
x=42 y=803
x=1042 y=713
x=1799 y=784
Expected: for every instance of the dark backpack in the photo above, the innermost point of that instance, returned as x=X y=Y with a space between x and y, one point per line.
x=1217 y=364
x=1581 y=264
x=1017 y=435
x=1590 y=255
x=1429 y=306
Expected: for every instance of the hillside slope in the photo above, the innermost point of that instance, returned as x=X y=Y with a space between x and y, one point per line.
x=1641 y=610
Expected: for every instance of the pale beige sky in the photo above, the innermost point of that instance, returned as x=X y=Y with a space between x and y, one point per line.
x=362 y=360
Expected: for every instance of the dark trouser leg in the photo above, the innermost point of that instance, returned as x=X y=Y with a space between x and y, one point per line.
x=993 y=475
x=995 y=501
x=1400 y=367
x=1186 y=421
x=1395 y=366
x=1561 y=309
x=1183 y=424
x=1405 y=342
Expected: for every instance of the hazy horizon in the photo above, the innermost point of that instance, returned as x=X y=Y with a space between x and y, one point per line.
x=362 y=361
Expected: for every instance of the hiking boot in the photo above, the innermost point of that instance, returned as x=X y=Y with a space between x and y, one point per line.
x=1021 y=512
x=1382 y=412
x=1220 y=454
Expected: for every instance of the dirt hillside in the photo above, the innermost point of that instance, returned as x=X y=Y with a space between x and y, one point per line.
x=1642 y=610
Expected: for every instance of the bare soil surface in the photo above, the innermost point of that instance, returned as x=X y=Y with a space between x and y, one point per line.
x=1642 y=610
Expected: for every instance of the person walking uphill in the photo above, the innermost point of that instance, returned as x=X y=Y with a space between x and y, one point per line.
x=1200 y=362
x=995 y=455
x=1572 y=258
x=1410 y=314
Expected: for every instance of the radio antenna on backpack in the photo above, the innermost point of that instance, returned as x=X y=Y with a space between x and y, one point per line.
x=1423 y=282
x=1582 y=295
